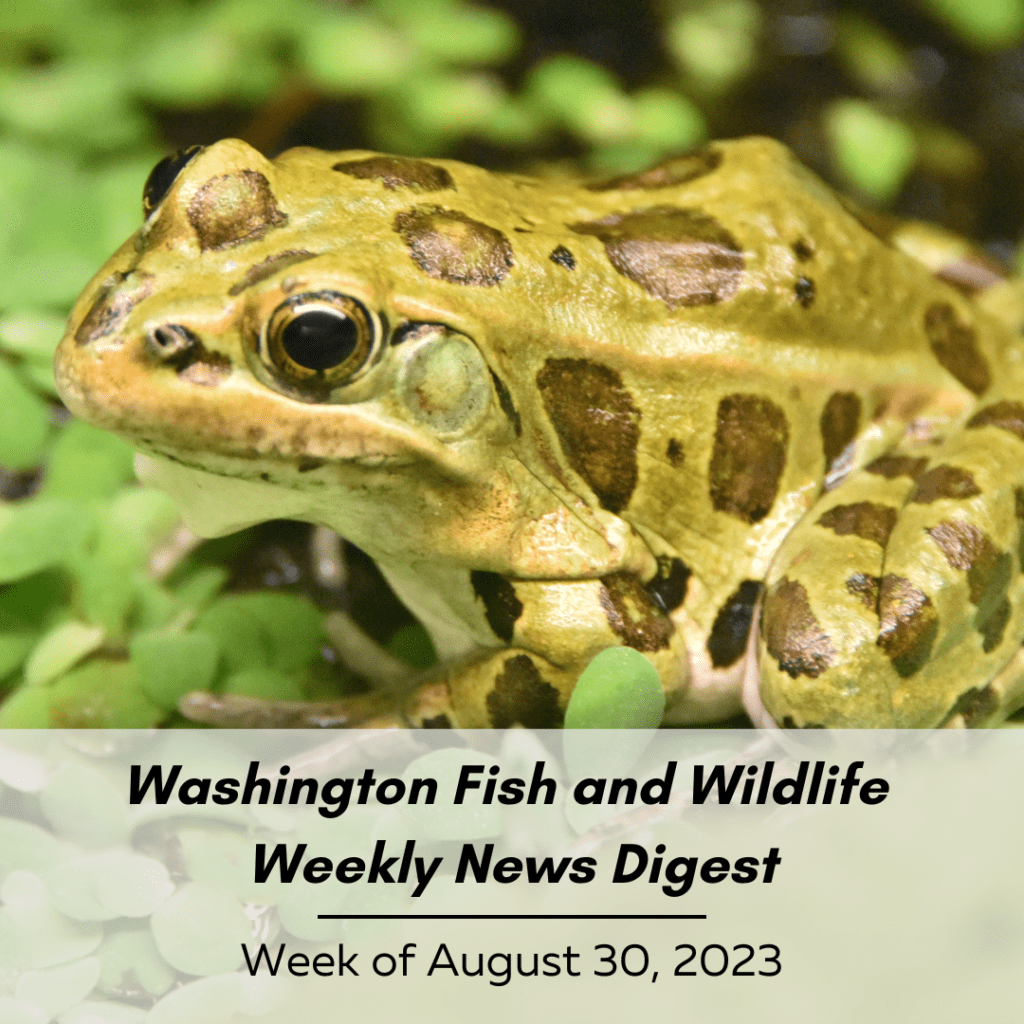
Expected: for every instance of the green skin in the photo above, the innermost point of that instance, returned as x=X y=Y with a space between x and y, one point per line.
x=704 y=411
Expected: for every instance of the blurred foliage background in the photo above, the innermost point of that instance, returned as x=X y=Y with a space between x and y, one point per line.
x=108 y=612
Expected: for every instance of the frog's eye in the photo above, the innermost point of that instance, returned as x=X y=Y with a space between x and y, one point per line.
x=161 y=178
x=319 y=340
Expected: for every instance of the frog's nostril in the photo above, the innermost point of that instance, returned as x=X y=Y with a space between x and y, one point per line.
x=171 y=342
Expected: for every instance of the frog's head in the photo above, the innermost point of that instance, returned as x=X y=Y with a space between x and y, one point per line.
x=289 y=339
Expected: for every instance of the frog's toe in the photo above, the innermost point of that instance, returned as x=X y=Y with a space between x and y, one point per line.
x=237 y=711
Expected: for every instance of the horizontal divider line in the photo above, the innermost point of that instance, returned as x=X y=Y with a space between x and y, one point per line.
x=512 y=917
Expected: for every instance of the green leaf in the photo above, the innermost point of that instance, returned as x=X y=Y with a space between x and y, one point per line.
x=200 y=930
x=463 y=34
x=118 y=189
x=54 y=235
x=197 y=589
x=38 y=533
x=716 y=43
x=108 y=573
x=14 y=648
x=34 y=603
x=447 y=106
x=265 y=683
x=666 y=120
x=347 y=51
x=983 y=22
x=619 y=689
x=24 y=422
x=100 y=695
x=874 y=57
x=169 y=666
x=266 y=630
x=87 y=463
x=60 y=649
x=27 y=708
x=79 y=103
x=56 y=989
x=238 y=635
x=31 y=333
x=132 y=954
x=220 y=67
x=583 y=96
x=874 y=152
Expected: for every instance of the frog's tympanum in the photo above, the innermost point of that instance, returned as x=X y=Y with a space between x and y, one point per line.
x=708 y=411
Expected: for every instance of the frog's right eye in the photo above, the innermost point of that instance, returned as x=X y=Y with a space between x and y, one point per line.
x=319 y=340
x=161 y=178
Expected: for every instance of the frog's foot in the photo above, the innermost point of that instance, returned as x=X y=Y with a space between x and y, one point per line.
x=236 y=711
x=899 y=600
x=507 y=688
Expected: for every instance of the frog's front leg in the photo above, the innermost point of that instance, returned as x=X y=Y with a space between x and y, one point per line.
x=551 y=628
x=899 y=600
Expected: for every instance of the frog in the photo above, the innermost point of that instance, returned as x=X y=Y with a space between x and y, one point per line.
x=710 y=410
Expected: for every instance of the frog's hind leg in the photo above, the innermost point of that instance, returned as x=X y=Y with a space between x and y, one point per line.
x=899 y=600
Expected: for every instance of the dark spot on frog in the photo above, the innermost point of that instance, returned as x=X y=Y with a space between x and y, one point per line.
x=804 y=292
x=453 y=247
x=728 y=639
x=1008 y=416
x=506 y=403
x=988 y=574
x=789 y=722
x=522 y=697
x=178 y=347
x=892 y=466
x=265 y=477
x=501 y=606
x=944 y=482
x=865 y=587
x=307 y=464
x=793 y=636
x=597 y=425
x=268 y=267
x=110 y=309
x=674 y=171
x=395 y=172
x=955 y=346
x=233 y=208
x=634 y=614
x=562 y=257
x=802 y=250
x=668 y=588
x=907 y=624
x=523 y=231
x=993 y=628
x=683 y=257
x=839 y=422
x=674 y=453
x=864 y=519
x=748 y=457
x=437 y=722
x=974 y=706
